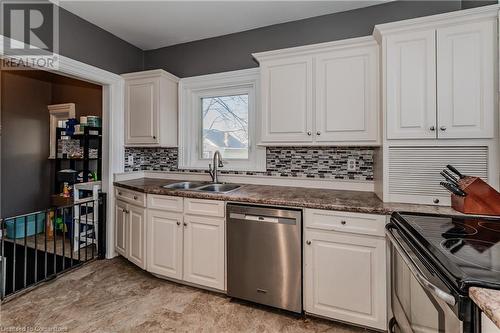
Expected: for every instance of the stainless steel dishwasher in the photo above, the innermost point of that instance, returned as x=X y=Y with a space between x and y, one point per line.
x=264 y=255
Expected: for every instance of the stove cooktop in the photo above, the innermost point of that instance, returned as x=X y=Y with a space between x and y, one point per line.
x=467 y=249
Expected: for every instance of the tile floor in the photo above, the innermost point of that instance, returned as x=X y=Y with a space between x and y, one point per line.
x=115 y=296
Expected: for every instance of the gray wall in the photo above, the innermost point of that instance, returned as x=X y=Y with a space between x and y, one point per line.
x=85 y=42
x=232 y=52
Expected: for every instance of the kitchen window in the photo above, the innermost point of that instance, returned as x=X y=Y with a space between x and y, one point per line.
x=218 y=112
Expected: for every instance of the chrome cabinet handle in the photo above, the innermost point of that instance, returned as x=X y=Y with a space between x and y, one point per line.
x=308 y=242
x=448 y=298
x=318 y=133
x=309 y=133
x=442 y=128
x=432 y=128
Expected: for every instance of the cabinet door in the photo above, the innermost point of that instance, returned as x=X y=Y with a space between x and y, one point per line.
x=204 y=251
x=345 y=277
x=142 y=111
x=121 y=228
x=137 y=235
x=411 y=85
x=466 y=80
x=347 y=95
x=287 y=100
x=165 y=243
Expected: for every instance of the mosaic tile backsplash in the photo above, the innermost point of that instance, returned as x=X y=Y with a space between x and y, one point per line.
x=303 y=162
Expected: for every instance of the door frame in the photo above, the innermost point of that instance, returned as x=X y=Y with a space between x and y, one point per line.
x=112 y=123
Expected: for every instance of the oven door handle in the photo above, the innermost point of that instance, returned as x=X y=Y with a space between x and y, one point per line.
x=441 y=294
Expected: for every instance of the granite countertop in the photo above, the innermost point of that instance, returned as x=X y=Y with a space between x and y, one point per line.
x=488 y=301
x=342 y=200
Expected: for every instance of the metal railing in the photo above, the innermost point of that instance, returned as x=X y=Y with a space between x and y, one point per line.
x=38 y=246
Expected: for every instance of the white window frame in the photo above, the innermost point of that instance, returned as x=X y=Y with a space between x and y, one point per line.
x=191 y=90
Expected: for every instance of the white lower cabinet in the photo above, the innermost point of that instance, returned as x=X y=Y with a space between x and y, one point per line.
x=165 y=233
x=137 y=235
x=121 y=228
x=344 y=272
x=204 y=244
x=130 y=232
x=186 y=240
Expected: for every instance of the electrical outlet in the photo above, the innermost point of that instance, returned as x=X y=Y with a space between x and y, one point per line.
x=351 y=164
x=130 y=160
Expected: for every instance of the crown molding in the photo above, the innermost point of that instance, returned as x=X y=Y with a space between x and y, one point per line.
x=435 y=21
x=315 y=48
x=149 y=73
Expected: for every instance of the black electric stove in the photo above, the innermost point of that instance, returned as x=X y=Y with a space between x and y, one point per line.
x=466 y=249
x=447 y=255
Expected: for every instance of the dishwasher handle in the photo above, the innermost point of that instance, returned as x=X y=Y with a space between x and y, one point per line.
x=261 y=218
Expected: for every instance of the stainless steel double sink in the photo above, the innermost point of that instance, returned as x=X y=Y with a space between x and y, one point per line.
x=204 y=187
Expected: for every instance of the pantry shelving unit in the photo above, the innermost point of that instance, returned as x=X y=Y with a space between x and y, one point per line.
x=90 y=138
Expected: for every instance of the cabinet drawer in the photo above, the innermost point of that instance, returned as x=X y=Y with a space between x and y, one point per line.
x=204 y=207
x=133 y=197
x=345 y=222
x=164 y=202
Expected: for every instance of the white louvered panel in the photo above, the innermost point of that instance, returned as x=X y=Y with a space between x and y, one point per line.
x=414 y=171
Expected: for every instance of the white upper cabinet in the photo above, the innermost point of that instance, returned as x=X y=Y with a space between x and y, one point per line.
x=440 y=76
x=466 y=80
x=347 y=95
x=151 y=109
x=142 y=110
x=321 y=94
x=411 y=85
x=287 y=100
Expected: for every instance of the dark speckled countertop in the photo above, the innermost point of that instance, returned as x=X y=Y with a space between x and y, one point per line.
x=342 y=200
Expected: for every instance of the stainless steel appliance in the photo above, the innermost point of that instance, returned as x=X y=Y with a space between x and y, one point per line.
x=264 y=255
x=434 y=260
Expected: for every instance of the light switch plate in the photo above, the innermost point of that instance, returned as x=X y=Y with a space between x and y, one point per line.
x=351 y=164
x=130 y=160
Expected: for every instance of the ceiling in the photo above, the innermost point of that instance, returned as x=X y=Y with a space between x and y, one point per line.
x=154 y=24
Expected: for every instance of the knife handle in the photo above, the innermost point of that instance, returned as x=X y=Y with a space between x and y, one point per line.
x=453 y=189
x=455 y=171
x=449 y=178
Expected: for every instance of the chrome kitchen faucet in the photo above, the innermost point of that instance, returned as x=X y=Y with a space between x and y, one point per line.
x=217 y=163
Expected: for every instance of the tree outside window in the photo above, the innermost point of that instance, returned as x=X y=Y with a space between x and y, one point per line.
x=225 y=126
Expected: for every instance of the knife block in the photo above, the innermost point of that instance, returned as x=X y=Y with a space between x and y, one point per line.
x=481 y=199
